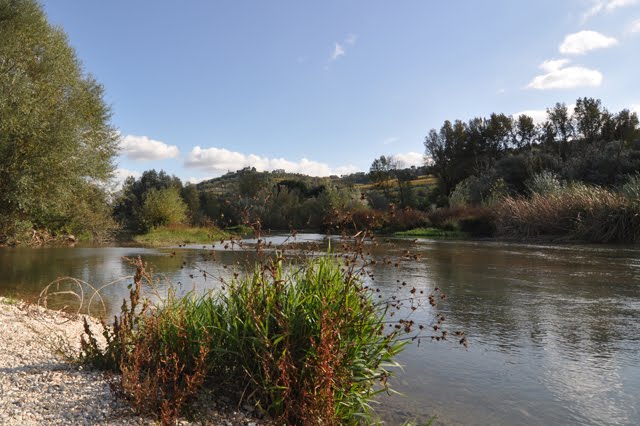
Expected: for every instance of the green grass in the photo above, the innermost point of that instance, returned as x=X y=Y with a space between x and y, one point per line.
x=240 y=230
x=305 y=341
x=167 y=236
x=432 y=233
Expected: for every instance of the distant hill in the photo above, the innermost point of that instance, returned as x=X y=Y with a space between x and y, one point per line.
x=231 y=182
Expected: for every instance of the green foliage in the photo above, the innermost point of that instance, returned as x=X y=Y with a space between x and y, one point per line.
x=461 y=195
x=544 y=183
x=306 y=342
x=484 y=190
x=191 y=198
x=55 y=134
x=91 y=214
x=163 y=207
x=241 y=230
x=588 y=144
x=462 y=149
x=174 y=235
x=129 y=205
x=631 y=189
x=431 y=233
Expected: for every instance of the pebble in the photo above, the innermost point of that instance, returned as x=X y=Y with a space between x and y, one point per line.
x=38 y=386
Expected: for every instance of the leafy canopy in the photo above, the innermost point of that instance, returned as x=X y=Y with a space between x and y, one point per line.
x=55 y=131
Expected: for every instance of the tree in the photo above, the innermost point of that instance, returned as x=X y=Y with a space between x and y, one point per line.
x=189 y=194
x=55 y=131
x=559 y=129
x=381 y=172
x=164 y=207
x=128 y=206
x=590 y=118
x=525 y=132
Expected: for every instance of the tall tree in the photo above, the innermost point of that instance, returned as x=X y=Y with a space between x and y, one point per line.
x=382 y=172
x=525 y=132
x=590 y=118
x=559 y=129
x=128 y=206
x=55 y=131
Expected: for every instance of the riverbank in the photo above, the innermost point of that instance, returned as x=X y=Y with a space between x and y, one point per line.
x=176 y=235
x=40 y=384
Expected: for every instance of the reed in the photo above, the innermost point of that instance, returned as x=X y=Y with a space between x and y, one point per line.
x=577 y=211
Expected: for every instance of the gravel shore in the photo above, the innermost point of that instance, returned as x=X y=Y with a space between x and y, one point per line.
x=40 y=386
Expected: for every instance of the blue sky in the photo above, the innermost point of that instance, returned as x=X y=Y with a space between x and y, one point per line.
x=199 y=88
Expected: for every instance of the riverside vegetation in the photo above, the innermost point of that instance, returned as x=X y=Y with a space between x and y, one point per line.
x=57 y=151
x=305 y=341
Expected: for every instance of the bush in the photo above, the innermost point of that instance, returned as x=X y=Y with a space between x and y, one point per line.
x=359 y=219
x=164 y=207
x=485 y=190
x=544 y=183
x=448 y=216
x=401 y=220
x=461 y=195
x=307 y=343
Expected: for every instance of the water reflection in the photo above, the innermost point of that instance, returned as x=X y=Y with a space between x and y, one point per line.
x=553 y=330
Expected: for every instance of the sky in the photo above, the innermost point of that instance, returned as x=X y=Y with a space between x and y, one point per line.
x=199 y=88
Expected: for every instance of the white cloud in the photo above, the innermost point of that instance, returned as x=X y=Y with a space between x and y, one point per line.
x=539 y=115
x=583 y=41
x=565 y=78
x=554 y=64
x=337 y=52
x=220 y=160
x=340 y=49
x=409 y=159
x=635 y=26
x=142 y=148
x=389 y=141
x=636 y=108
x=608 y=6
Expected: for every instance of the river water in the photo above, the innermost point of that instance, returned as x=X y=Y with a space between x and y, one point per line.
x=553 y=331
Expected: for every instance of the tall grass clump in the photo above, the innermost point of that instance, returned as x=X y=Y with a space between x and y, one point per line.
x=576 y=211
x=631 y=189
x=305 y=343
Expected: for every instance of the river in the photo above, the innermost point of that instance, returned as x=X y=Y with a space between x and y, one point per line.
x=553 y=331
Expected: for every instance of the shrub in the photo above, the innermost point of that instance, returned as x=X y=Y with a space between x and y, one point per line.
x=461 y=195
x=544 y=183
x=359 y=219
x=407 y=218
x=307 y=343
x=484 y=190
x=441 y=217
x=164 y=207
